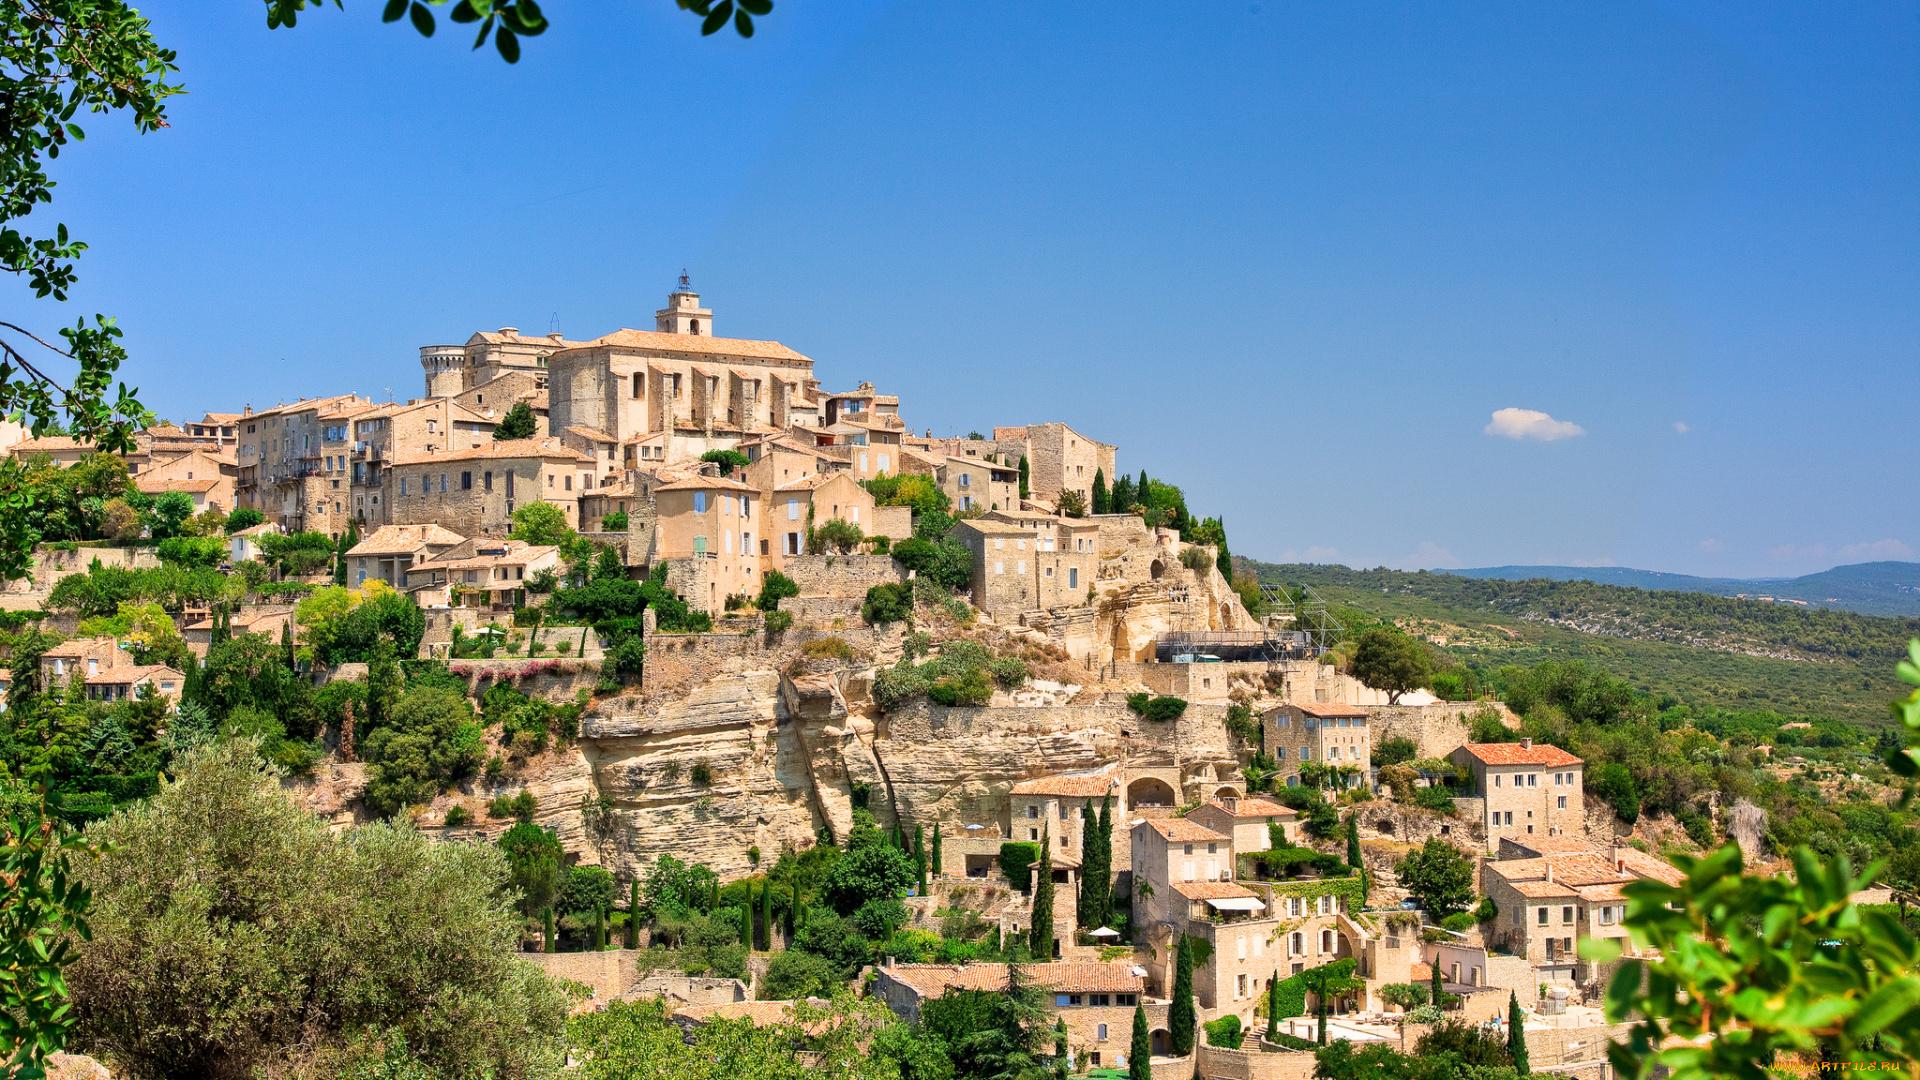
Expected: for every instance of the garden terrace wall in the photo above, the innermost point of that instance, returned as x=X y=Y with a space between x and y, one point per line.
x=1208 y=683
x=1437 y=729
x=822 y=612
x=676 y=663
x=607 y=973
x=843 y=575
x=547 y=677
x=1232 y=1063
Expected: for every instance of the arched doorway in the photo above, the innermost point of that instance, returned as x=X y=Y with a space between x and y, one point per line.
x=1227 y=793
x=1162 y=1042
x=1151 y=791
x=1158 y=568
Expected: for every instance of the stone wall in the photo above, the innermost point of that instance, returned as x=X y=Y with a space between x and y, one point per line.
x=1235 y=1064
x=50 y=564
x=1563 y=1049
x=606 y=973
x=1437 y=729
x=824 y=612
x=843 y=575
x=676 y=663
x=1210 y=683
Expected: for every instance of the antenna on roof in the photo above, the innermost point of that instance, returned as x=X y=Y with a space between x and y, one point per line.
x=553 y=323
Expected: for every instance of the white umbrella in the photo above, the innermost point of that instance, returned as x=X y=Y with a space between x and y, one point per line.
x=1104 y=932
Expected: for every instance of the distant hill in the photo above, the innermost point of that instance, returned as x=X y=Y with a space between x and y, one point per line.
x=1875 y=588
x=1705 y=647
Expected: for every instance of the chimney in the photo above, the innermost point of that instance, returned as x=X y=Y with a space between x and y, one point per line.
x=1229 y=803
x=1549 y=863
x=1526 y=744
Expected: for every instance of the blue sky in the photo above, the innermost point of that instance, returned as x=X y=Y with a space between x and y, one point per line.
x=1294 y=257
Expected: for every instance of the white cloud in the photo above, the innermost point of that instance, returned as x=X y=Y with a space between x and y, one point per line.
x=1315 y=554
x=1877 y=551
x=1528 y=424
x=1710 y=546
x=1681 y=427
x=1432 y=556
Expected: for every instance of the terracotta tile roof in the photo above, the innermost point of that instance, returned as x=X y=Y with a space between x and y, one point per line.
x=1092 y=784
x=265 y=528
x=1057 y=858
x=548 y=449
x=1568 y=869
x=704 y=483
x=592 y=433
x=132 y=674
x=761 y=1013
x=1329 y=711
x=79 y=646
x=243 y=620
x=1181 y=831
x=1559 y=845
x=1641 y=864
x=933 y=980
x=155 y=485
x=1516 y=754
x=989 y=525
x=1214 y=890
x=689 y=343
x=1602 y=894
x=402 y=539
x=1252 y=808
x=1542 y=890
x=517 y=553
x=49 y=444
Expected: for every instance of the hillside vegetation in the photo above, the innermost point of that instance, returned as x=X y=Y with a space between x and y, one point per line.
x=1707 y=651
x=1877 y=588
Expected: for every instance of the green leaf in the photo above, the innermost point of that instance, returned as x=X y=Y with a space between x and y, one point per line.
x=758 y=7
x=395 y=9
x=743 y=23
x=422 y=19
x=721 y=13
x=463 y=13
x=508 y=44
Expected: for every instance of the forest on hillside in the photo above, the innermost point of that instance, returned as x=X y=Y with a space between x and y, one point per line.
x=1707 y=651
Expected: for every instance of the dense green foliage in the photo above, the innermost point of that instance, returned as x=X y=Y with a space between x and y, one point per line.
x=519 y=423
x=774 y=587
x=1180 y=1015
x=43 y=916
x=1438 y=876
x=1388 y=660
x=1149 y=707
x=887 y=603
x=727 y=460
x=268 y=931
x=849 y=1039
x=962 y=675
x=918 y=492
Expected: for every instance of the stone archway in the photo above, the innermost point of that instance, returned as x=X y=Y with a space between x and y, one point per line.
x=1162 y=1040
x=1151 y=791
x=1156 y=570
x=1227 y=793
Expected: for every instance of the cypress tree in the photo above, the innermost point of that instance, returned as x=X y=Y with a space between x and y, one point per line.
x=713 y=901
x=633 y=913
x=1041 y=944
x=1224 y=561
x=1026 y=474
x=1103 y=885
x=937 y=872
x=746 y=919
x=793 y=910
x=1180 y=1011
x=766 y=912
x=920 y=856
x=1140 y=1054
x=1353 y=854
x=1100 y=503
x=600 y=929
x=1433 y=987
x=546 y=916
x=286 y=643
x=1083 y=911
x=1141 y=490
x=1273 y=1007
x=1517 y=1034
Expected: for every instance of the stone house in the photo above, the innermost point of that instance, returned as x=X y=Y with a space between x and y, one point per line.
x=717 y=523
x=975 y=484
x=474 y=492
x=245 y=544
x=702 y=392
x=810 y=502
x=59 y=449
x=598 y=447
x=91 y=656
x=486 y=358
x=375 y=439
x=1094 y=1000
x=1528 y=790
x=265 y=619
x=132 y=681
x=222 y=428
x=207 y=476
x=861 y=406
x=388 y=551
x=1056 y=803
x=283 y=463
x=486 y=573
x=1029 y=562
x=1300 y=732
x=1246 y=821
x=1548 y=905
x=617 y=496
x=1058 y=459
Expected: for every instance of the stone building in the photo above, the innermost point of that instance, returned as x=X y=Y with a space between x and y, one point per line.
x=717 y=524
x=1528 y=790
x=208 y=477
x=1554 y=892
x=1056 y=804
x=452 y=370
x=292 y=463
x=90 y=656
x=374 y=439
x=474 y=492
x=698 y=391
x=135 y=681
x=1058 y=459
x=808 y=503
x=1247 y=821
x=484 y=573
x=976 y=484
x=1335 y=735
x=387 y=552
x=1094 y=1000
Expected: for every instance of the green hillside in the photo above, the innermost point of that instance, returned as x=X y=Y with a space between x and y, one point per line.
x=1876 y=588
x=1707 y=651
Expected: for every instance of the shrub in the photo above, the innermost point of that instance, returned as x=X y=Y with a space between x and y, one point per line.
x=614 y=522
x=728 y=460
x=958 y=610
x=1156 y=708
x=1394 y=751
x=1487 y=912
x=1488 y=728
x=1009 y=672
x=1015 y=855
x=1437 y=797
x=881 y=545
x=777 y=621
x=894 y=686
x=1426 y=1014
x=1224 y=1031
x=1614 y=784
x=836 y=537
x=827 y=648
x=888 y=603
x=1196 y=559
x=968 y=689
x=1459 y=921
x=244 y=518
x=457 y=815
x=702 y=773
x=774 y=587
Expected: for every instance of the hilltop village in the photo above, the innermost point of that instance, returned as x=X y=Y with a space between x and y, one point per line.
x=978 y=650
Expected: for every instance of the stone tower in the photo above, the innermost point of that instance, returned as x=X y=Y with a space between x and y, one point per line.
x=683 y=313
x=445 y=369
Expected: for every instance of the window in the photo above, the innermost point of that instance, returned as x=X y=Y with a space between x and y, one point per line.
x=1566 y=915
x=1496 y=779
x=1293 y=906
x=1102 y=1032
x=965 y=480
x=793 y=543
x=1279 y=753
x=699 y=502
x=1543 y=916
x=1033 y=834
x=1240 y=987
x=1073 y=578
x=403 y=491
x=1098 y=999
x=489 y=481
x=746 y=507
x=1299 y=944
x=509 y=485
x=466 y=481
x=1563 y=802
x=1326 y=941
x=1061 y=1000
x=1033 y=811
x=793 y=509
x=1306 y=753
x=639 y=382
x=1533 y=779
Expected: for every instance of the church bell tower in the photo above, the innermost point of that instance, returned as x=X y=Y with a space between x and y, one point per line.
x=683 y=313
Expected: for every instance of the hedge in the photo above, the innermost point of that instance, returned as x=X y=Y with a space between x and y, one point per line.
x=1015 y=858
x=1224 y=1031
x=1156 y=708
